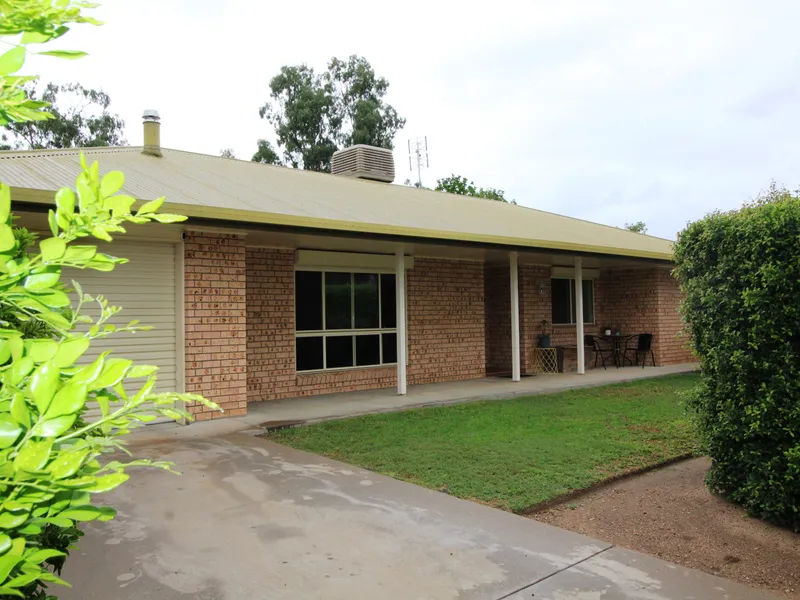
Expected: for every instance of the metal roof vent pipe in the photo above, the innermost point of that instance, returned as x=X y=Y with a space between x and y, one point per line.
x=152 y=133
x=364 y=162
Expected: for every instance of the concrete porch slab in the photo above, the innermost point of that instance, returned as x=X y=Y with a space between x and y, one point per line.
x=252 y=519
x=349 y=404
x=312 y=409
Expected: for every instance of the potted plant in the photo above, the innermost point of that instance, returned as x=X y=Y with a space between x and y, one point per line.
x=544 y=337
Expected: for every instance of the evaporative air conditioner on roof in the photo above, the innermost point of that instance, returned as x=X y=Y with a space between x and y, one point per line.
x=364 y=162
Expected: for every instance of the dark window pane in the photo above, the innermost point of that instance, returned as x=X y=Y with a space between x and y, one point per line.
x=309 y=353
x=338 y=311
x=588 y=301
x=308 y=300
x=339 y=352
x=366 y=300
x=388 y=302
x=389 y=348
x=368 y=350
x=561 y=300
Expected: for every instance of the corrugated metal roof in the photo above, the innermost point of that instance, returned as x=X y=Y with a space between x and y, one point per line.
x=212 y=187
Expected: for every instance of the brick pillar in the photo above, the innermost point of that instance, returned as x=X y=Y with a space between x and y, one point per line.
x=216 y=322
x=270 y=324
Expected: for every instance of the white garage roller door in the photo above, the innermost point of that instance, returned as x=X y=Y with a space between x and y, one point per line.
x=146 y=289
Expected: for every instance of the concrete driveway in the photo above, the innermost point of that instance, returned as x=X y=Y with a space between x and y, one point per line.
x=250 y=519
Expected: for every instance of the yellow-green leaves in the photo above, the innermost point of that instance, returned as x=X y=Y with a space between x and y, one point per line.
x=42 y=281
x=90 y=513
x=120 y=205
x=20 y=411
x=33 y=455
x=47 y=454
x=67 y=463
x=53 y=427
x=9 y=431
x=7 y=240
x=80 y=254
x=68 y=54
x=52 y=221
x=12 y=61
x=113 y=371
x=33 y=37
x=5 y=203
x=41 y=350
x=65 y=201
x=19 y=370
x=52 y=248
x=43 y=385
x=151 y=207
x=106 y=483
x=104 y=262
x=142 y=370
x=111 y=183
x=68 y=400
x=168 y=218
x=90 y=372
x=70 y=351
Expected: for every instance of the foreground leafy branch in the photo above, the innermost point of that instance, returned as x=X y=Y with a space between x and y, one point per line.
x=49 y=448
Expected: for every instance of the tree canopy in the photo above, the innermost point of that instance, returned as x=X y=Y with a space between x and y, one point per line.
x=457 y=184
x=315 y=114
x=80 y=119
x=266 y=154
x=637 y=227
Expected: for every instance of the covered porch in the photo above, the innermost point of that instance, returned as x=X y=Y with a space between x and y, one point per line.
x=448 y=322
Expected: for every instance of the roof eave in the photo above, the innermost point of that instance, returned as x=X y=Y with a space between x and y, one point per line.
x=44 y=197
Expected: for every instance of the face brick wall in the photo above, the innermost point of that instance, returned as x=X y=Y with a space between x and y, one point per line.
x=270 y=324
x=533 y=308
x=646 y=301
x=497 y=315
x=446 y=321
x=445 y=329
x=674 y=347
x=271 y=339
x=216 y=345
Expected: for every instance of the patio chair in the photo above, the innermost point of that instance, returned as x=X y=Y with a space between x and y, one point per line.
x=643 y=347
x=603 y=349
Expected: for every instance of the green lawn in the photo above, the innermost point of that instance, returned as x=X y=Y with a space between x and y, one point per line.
x=515 y=453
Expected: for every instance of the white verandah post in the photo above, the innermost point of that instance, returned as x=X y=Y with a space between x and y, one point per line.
x=400 y=299
x=579 y=314
x=513 y=261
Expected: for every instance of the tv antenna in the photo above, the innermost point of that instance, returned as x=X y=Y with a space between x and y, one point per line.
x=418 y=156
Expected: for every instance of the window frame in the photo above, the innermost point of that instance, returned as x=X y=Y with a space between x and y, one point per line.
x=352 y=332
x=573 y=321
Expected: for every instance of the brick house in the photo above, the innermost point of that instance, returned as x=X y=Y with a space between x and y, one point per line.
x=286 y=283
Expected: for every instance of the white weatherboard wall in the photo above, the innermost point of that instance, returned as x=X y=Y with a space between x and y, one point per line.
x=147 y=289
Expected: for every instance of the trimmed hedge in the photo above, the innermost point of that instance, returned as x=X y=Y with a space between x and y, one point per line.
x=740 y=272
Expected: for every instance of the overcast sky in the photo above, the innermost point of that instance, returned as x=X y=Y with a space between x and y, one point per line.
x=611 y=111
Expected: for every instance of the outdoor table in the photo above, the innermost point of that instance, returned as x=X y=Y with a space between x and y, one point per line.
x=619 y=341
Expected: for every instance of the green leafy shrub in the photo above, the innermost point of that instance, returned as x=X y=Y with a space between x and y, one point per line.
x=740 y=272
x=49 y=449
x=49 y=467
